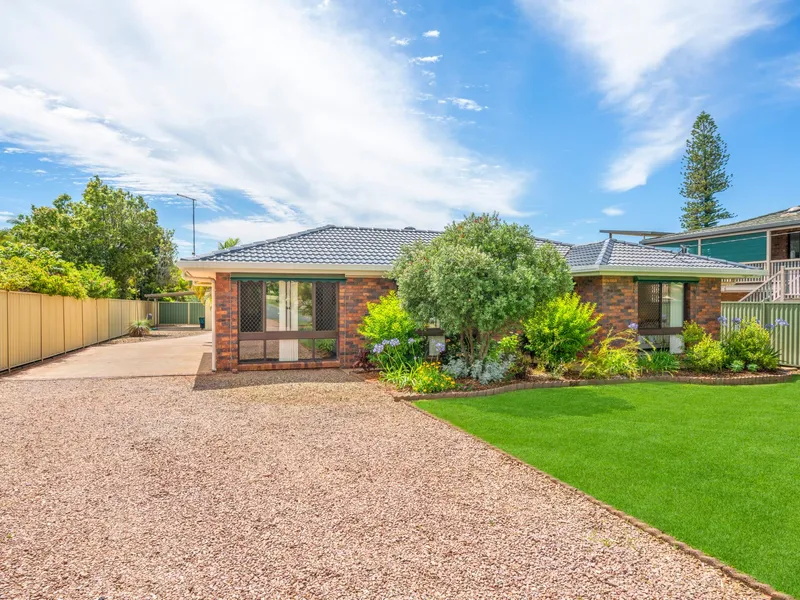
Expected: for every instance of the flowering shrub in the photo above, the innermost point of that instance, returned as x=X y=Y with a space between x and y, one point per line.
x=561 y=329
x=616 y=355
x=750 y=342
x=391 y=333
x=422 y=378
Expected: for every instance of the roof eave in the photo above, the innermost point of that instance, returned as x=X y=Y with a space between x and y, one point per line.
x=709 y=272
x=350 y=270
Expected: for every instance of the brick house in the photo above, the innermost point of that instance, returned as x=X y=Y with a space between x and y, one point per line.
x=296 y=301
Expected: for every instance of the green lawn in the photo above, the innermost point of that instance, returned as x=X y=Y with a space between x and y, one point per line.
x=717 y=467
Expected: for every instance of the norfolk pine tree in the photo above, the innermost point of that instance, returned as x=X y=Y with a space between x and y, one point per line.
x=704 y=176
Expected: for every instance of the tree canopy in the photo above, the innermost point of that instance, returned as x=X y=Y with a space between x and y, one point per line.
x=229 y=243
x=704 y=176
x=26 y=268
x=111 y=228
x=479 y=278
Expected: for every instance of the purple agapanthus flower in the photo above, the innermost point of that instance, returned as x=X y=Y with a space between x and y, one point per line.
x=377 y=348
x=722 y=319
x=439 y=346
x=736 y=320
x=633 y=326
x=781 y=322
x=394 y=342
x=412 y=341
x=769 y=326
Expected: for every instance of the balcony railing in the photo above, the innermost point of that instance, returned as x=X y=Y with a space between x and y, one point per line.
x=774 y=267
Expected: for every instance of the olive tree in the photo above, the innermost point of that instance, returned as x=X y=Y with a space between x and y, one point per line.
x=480 y=278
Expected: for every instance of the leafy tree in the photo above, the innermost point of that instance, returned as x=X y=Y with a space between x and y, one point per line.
x=704 y=176
x=479 y=278
x=110 y=228
x=229 y=243
x=24 y=267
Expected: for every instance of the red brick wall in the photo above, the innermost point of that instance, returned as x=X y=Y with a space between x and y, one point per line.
x=226 y=322
x=353 y=297
x=705 y=304
x=617 y=298
x=780 y=244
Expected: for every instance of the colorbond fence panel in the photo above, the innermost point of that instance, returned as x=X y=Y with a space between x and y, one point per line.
x=196 y=310
x=24 y=328
x=73 y=324
x=4 y=363
x=785 y=339
x=52 y=325
x=89 y=322
x=35 y=326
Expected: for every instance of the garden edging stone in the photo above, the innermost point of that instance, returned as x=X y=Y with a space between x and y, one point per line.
x=532 y=385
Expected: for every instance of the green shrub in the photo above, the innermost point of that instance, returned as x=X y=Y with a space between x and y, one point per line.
x=139 y=328
x=391 y=334
x=422 y=378
x=752 y=367
x=707 y=355
x=736 y=366
x=692 y=334
x=659 y=362
x=28 y=268
x=750 y=343
x=560 y=330
x=510 y=349
x=615 y=356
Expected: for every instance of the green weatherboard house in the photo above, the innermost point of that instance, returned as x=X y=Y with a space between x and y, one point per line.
x=770 y=242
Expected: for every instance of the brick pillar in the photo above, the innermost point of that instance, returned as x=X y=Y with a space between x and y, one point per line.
x=226 y=322
x=617 y=299
x=705 y=304
x=353 y=297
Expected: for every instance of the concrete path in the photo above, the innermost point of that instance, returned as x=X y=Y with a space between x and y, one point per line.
x=172 y=356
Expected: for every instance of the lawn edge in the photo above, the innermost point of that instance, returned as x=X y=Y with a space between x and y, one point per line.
x=728 y=570
x=567 y=383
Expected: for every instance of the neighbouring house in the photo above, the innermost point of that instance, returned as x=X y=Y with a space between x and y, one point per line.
x=297 y=301
x=770 y=242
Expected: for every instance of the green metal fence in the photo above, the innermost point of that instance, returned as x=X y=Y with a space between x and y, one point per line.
x=180 y=313
x=786 y=339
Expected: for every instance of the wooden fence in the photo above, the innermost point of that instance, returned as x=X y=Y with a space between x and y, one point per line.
x=785 y=339
x=35 y=326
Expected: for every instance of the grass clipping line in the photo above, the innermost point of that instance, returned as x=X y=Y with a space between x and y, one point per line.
x=744 y=578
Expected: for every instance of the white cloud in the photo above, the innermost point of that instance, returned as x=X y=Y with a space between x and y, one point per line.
x=253 y=229
x=399 y=12
x=310 y=120
x=12 y=150
x=466 y=104
x=400 y=41
x=45 y=159
x=39 y=172
x=433 y=33
x=613 y=211
x=423 y=60
x=650 y=60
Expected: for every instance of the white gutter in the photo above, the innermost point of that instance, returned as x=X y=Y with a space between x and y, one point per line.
x=352 y=270
x=708 y=272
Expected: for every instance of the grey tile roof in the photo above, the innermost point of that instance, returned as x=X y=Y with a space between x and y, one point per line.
x=372 y=246
x=619 y=253
x=781 y=218
x=325 y=245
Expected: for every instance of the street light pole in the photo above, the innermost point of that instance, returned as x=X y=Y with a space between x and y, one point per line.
x=194 y=253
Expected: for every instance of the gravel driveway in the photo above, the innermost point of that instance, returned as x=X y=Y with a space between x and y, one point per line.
x=255 y=485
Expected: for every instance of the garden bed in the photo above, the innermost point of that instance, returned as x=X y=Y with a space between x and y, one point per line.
x=469 y=388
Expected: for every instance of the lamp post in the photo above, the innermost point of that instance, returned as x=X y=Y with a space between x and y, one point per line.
x=194 y=202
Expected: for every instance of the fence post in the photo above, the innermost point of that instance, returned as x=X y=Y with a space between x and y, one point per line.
x=188 y=314
x=41 y=327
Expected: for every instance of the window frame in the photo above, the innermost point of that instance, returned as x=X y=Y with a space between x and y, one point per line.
x=664 y=331
x=263 y=335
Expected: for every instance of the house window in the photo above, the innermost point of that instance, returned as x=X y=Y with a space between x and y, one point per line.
x=288 y=320
x=661 y=314
x=794 y=244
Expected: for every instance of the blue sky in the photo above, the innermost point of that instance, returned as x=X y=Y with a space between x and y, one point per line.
x=570 y=116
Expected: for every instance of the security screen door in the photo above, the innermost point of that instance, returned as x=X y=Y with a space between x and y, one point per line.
x=288 y=320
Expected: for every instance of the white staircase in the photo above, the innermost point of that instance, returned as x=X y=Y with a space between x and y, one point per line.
x=783 y=286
